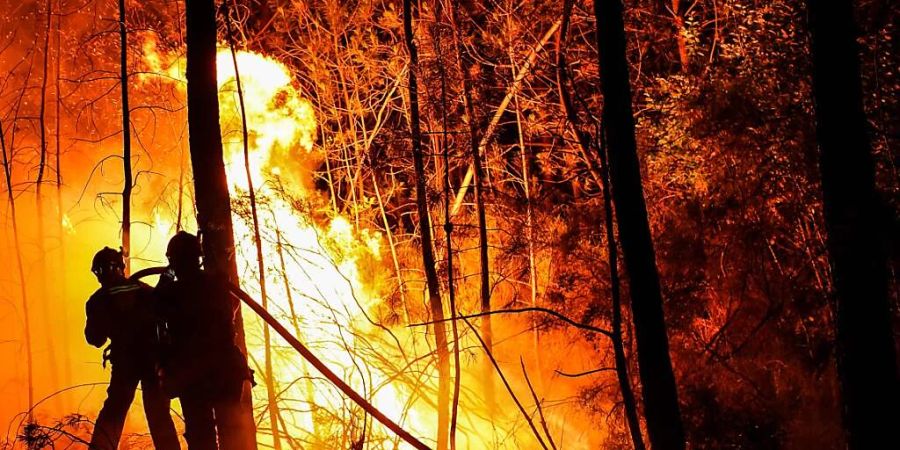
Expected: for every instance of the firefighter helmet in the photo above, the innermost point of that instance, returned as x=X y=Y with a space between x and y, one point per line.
x=107 y=259
x=184 y=246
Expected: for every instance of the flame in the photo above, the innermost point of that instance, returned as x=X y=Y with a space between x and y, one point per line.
x=326 y=285
x=281 y=124
x=324 y=273
x=67 y=224
x=161 y=225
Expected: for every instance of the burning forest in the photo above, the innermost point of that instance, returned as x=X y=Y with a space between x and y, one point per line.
x=449 y=225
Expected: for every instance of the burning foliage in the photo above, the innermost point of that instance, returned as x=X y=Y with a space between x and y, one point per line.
x=326 y=195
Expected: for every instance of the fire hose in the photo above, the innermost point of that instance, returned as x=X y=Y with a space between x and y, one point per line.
x=310 y=357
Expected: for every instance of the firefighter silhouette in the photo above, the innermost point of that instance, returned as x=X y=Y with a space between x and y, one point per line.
x=201 y=363
x=122 y=311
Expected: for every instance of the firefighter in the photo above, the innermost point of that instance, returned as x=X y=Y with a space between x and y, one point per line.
x=202 y=364
x=122 y=311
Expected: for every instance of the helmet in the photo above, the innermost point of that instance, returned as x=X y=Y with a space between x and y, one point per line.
x=183 y=246
x=107 y=259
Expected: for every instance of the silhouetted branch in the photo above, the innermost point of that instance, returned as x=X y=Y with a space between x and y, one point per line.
x=551 y=312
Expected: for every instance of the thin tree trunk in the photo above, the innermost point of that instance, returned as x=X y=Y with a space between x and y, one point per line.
x=529 y=216
x=126 y=142
x=434 y=296
x=210 y=181
x=612 y=252
x=680 y=35
x=529 y=224
x=26 y=317
x=448 y=224
x=180 y=210
x=63 y=286
x=857 y=235
x=538 y=406
x=43 y=307
x=664 y=424
x=401 y=285
x=584 y=140
x=475 y=147
x=43 y=110
x=42 y=119
x=257 y=240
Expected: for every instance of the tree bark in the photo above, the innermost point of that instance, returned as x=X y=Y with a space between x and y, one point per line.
x=205 y=139
x=857 y=238
x=431 y=278
x=664 y=424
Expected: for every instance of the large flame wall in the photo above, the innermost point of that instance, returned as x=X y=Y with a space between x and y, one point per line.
x=326 y=277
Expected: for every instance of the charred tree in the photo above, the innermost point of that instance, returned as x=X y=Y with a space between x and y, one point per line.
x=857 y=239
x=431 y=277
x=205 y=140
x=664 y=425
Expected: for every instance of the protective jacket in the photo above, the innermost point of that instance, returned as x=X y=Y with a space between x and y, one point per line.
x=200 y=353
x=124 y=314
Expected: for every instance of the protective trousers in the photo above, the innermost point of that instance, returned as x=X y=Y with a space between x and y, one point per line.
x=208 y=415
x=122 y=386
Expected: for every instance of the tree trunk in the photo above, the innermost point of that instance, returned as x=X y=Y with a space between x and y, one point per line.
x=431 y=278
x=257 y=240
x=659 y=390
x=126 y=142
x=42 y=271
x=205 y=139
x=631 y=413
x=602 y=176
x=448 y=223
x=475 y=147
x=42 y=119
x=857 y=239
x=680 y=35
x=63 y=273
